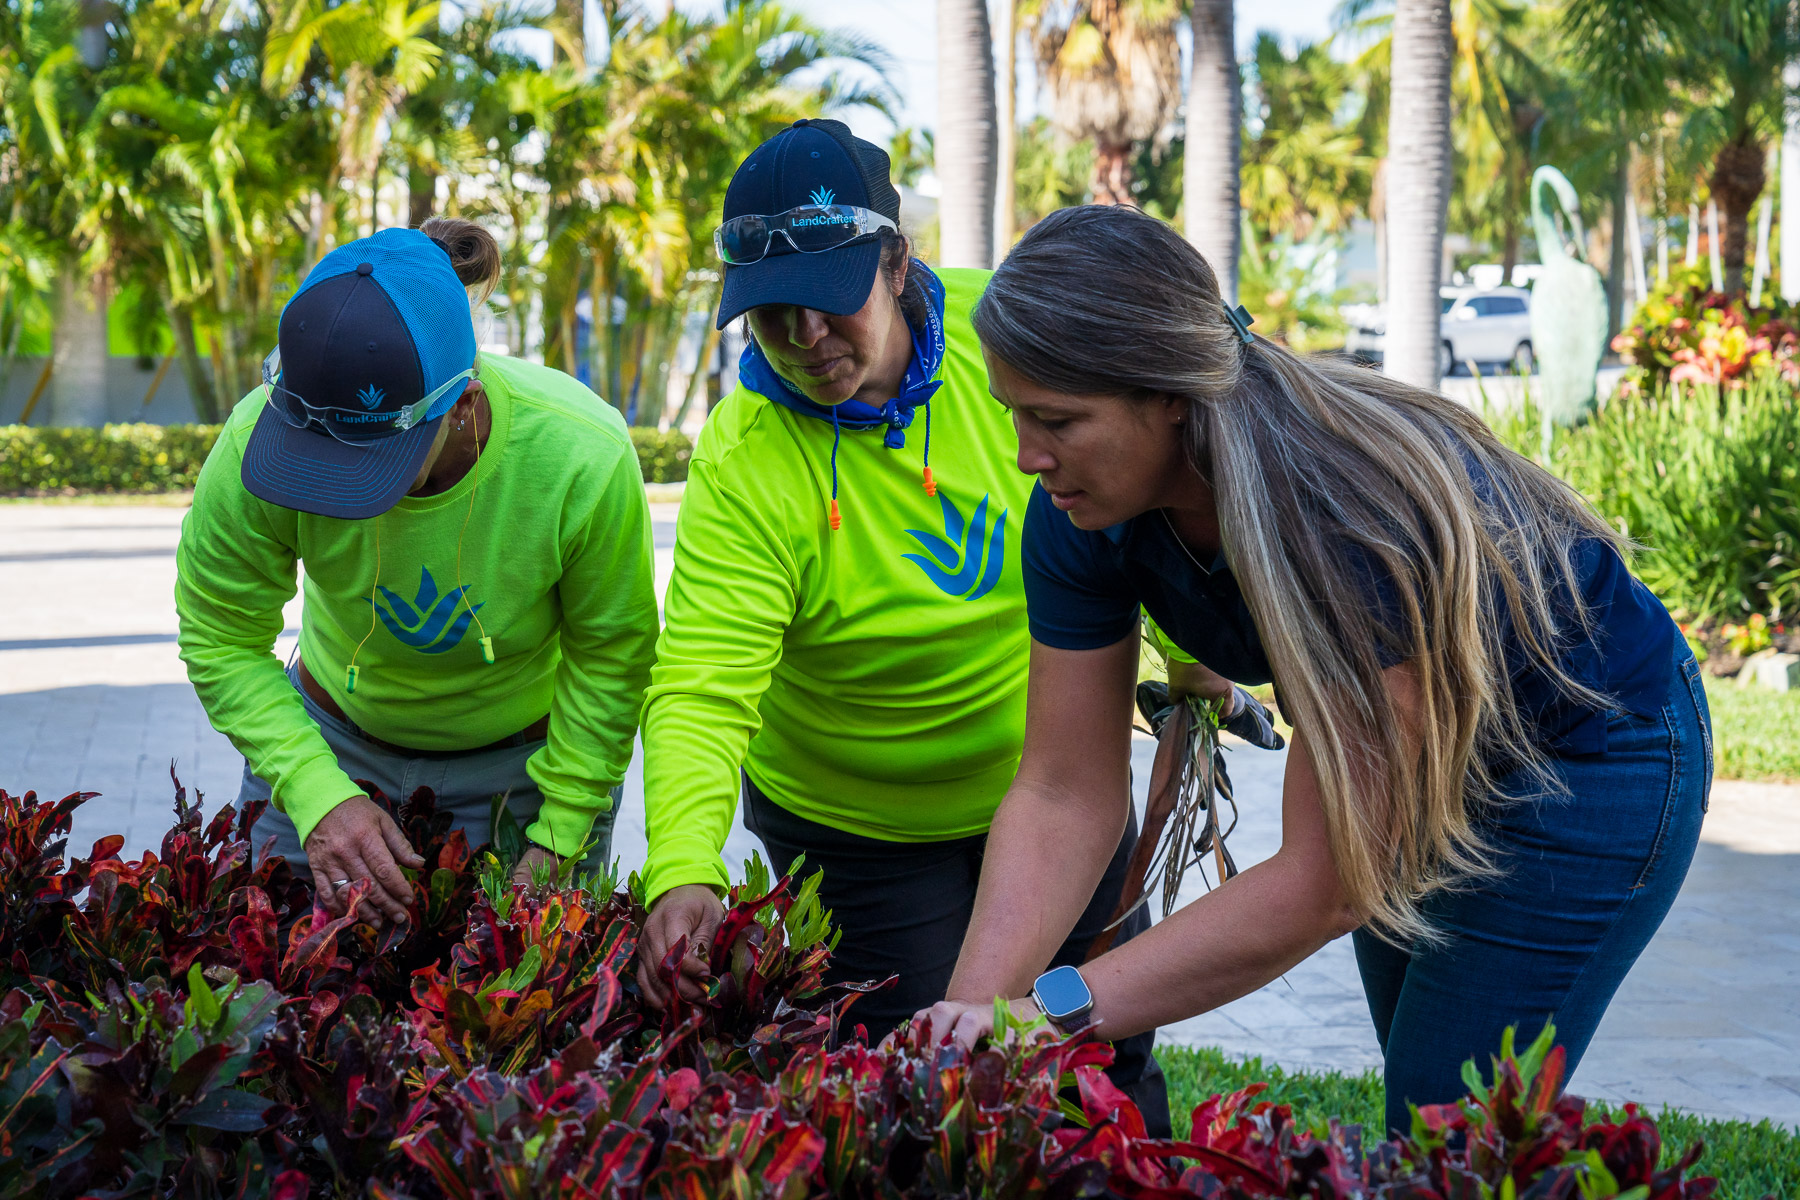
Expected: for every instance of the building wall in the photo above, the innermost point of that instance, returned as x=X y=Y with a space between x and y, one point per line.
x=127 y=383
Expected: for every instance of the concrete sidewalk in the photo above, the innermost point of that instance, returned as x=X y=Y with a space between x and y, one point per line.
x=93 y=696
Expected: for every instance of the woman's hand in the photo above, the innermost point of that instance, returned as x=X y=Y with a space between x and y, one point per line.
x=691 y=910
x=966 y=1023
x=1193 y=679
x=358 y=840
x=525 y=870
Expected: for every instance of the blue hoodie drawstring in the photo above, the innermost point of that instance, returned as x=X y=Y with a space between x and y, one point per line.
x=836 y=520
x=930 y=483
x=917 y=386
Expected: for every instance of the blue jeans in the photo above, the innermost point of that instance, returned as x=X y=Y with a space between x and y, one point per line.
x=1587 y=878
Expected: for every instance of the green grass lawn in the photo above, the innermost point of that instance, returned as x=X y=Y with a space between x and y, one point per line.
x=1756 y=732
x=1749 y=1160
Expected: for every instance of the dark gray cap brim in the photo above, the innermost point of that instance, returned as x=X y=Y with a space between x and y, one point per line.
x=312 y=472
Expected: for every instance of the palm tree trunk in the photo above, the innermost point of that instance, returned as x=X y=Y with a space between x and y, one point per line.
x=1615 y=257
x=1112 y=173
x=1210 y=165
x=1737 y=180
x=1662 y=215
x=1006 y=227
x=421 y=196
x=966 y=147
x=78 y=386
x=1790 y=187
x=200 y=384
x=1418 y=192
x=1378 y=216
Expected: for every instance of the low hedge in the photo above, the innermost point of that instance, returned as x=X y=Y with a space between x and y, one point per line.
x=113 y=458
x=167 y=458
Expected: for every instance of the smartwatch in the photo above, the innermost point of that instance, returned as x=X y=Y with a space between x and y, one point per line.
x=1062 y=995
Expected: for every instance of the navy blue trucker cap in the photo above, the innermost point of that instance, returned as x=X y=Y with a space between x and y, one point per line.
x=809 y=159
x=380 y=324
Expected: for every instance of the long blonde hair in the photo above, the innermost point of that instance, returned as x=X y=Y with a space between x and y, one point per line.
x=1327 y=476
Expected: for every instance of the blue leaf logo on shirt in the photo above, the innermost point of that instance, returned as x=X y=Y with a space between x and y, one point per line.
x=966 y=561
x=431 y=624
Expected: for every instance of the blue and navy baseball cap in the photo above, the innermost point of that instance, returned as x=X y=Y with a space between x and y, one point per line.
x=379 y=325
x=809 y=159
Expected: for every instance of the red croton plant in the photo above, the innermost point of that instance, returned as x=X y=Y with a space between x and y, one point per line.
x=185 y=1025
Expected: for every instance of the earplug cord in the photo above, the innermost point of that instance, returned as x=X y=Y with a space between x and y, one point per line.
x=350 y=671
x=486 y=642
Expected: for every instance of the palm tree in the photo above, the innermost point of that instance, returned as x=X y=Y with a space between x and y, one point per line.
x=1054 y=172
x=377 y=52
x=51 y=56
x=1418 y=186
x=1730 y=55
x=967 y=131
x=1212 y=143
x=1306 y=168
x=1113 y=68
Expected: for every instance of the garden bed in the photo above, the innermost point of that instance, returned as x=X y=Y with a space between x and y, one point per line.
x=184 y=1025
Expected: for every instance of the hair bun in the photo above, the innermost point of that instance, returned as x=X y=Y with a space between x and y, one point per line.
x=474 y=254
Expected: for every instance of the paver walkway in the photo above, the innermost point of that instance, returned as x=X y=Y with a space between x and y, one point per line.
x=92 y=696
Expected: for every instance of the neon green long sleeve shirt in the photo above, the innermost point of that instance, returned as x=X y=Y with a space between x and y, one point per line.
x=871 y=678
x=555 y=566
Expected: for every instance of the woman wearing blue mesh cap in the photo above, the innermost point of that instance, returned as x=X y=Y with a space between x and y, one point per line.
x=479 y=614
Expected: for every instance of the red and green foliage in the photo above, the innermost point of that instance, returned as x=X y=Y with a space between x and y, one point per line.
x=1685 y=333
x=185 y=1026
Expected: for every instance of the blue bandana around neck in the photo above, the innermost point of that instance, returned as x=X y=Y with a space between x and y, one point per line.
x=916 y=387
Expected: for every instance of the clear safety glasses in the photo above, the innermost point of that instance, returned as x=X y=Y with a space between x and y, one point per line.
x=353 y=426
x=809 y=229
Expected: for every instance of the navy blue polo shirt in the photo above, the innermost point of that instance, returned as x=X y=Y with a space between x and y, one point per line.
x=1083 y=590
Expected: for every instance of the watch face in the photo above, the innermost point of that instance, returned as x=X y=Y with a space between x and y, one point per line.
x=1063 y=993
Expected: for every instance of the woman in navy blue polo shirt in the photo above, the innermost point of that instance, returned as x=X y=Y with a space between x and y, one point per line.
x=1502 y=750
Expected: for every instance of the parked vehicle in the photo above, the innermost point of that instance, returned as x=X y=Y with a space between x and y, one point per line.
x=1483 y=326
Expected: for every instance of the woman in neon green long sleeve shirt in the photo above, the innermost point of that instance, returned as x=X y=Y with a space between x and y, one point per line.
x=846 y=625
x=479 y=608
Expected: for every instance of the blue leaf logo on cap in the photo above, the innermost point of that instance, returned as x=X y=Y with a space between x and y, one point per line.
x=370 y=396
x=822 y=196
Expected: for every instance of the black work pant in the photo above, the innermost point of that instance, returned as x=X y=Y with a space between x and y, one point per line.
x=904 y=908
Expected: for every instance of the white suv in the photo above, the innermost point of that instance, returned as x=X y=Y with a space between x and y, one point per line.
x=1479 y=325
x=1485 y=326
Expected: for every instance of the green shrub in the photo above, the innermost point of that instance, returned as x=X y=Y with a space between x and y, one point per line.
x=663 y=457
x=113 y=458
x=167 y=458
x=1706 y=480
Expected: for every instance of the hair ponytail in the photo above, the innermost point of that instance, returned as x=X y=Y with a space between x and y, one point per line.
x=473 y=252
